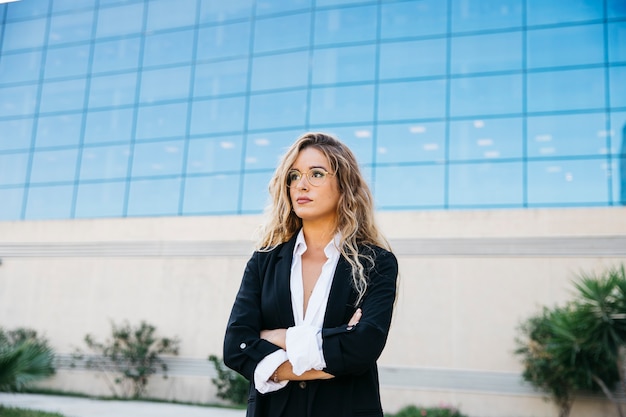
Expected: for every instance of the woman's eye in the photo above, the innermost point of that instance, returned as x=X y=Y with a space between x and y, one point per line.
x=318 y=173
x=294 y=176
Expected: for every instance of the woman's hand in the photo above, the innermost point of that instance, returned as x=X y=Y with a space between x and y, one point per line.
x=356 y=317
x=277 y=337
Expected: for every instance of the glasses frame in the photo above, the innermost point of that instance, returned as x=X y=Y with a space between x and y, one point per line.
x=292 y=184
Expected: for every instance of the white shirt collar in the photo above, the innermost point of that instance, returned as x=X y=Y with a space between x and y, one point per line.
x=331 y=250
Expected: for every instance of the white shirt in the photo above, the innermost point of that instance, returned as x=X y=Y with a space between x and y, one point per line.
x=304 y=340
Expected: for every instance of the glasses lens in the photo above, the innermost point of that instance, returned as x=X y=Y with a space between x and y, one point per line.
x=293 y=177
x=316 y=176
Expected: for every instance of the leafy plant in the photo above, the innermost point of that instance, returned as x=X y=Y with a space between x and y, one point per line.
x=24 y=358
x=230 y=385
x=20 y=412
x=129 y=358
x=413 y=411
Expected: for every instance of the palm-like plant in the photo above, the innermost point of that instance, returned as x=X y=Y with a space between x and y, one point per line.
x=24 y=358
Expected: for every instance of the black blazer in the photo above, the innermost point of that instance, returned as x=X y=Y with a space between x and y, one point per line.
x=264 y=302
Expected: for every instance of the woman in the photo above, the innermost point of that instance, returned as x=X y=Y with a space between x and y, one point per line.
x=314 y=308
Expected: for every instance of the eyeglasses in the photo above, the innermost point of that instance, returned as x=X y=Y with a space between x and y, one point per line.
x=315 y=176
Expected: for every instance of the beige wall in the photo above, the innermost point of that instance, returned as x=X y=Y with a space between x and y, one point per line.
x=467 y=280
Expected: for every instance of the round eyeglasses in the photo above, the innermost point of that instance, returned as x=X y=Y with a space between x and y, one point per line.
x=315 y=176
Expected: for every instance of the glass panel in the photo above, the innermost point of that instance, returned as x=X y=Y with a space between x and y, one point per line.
x=358 y=138
x=219 y=11
x=70 y=61
x=541 y=12
x=161 y=121
x=617 y=134
x=483 y=53
x=270 y=6
x=283 y=32
x=18 y=101
x=277 y=110
x=100 y=200
x=154 y=197
x=112 y=90
x=20 y=67
x=616 y=41
x=576 y=45
x=11 y=207
x=486 y=139
x=224 y=41
x=413 y=59
x=165 y=84
x=109 y=126
x=342 y=104
x=354 y=24
x=616 y=8
x=51 y=202
x=264 y=150
x=576 y=134
x=72 y=27
x=619 y=182
x=413 y=18
x=168 y=48
x=411 y=142
x=486 y=184
x=158 y=158
x=209 y=155
x=13 y=168
x=15 y=134
x=498 y=94
x=221 y=78
x=483 y=15
x=321 y=3
x=66 y=5
x=346 y=64
x=412 y=100
x=26 y=9
x=255 y=195
x=422 y=186
x=566 y=90
x=218 y=115
x=165 y=14
x=117 y=55
x=211 y=195
x=118 y=21
x=52 y=166
x=59 y=130
x=568 y=182
x=280 y=71
x=26 y=34
x=62 y=95
x=104 y=162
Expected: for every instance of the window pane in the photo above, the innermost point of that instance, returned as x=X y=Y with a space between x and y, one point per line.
x=482 y=15
x=122 y=20
x=100 y=200
x=280 y=71
x=11 y=207
x=541 y=12
x=154 y=197
x=413 y=59
x=162 y=121
x=575 y=45
x=211 y=195
x=345 y=64
x=486 y=184
x=66 y=5
x=255 y=196
x=121 y=54
x=73 y=27
x=579 y=134
x=224 y=41
x=486 y=139
x=414 y=18
x=112 y=90
x=221 y=78
x=619 y=181
x=165 y=84
x=52 y=166
x=60 y=130
x=263 y=150
x=109 y=126
x=218 y=115
x=209 y=155
x=568 y=182
x=67 y=62
x=412 y=100
x=51 y=202
x=24 y=66
x=342 y=104
x=354 y=24
x=62 y=95
x=104 y=162
x=483 y=53
x=26 y=34
x=617 y=134
x=270 y=6
x=358 y=138
x=422 y=186
x=158 y=158
x=616 y=8
x=15 y=134
x=322 y=3
x=285 y=32
x=499 y=94
x=26 y=9
x=168 y=48
x=566 y=90
x=616 y=41
x=165 y=14
x=219 y=11
x=277 y=110
x=411 y=142
x=18 y=101
x=13 y=168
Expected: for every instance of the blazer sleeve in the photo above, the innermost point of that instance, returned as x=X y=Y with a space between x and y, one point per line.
x=355 y=349
x=243 y=347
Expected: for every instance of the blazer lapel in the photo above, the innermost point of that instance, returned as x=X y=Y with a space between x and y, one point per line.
x=341 y=299
x=282 y=285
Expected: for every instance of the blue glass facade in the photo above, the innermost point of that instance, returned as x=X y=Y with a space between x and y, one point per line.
x=112 y=108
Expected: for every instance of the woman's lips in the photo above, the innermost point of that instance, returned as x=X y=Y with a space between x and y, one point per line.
x=303 y=200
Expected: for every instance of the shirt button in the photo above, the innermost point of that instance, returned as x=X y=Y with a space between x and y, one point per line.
x=302 y=384
x=242 y=345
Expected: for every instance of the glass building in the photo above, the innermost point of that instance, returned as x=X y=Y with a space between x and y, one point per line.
x=114 y=108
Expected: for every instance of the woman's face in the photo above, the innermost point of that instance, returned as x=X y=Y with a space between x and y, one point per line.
x=314 y=203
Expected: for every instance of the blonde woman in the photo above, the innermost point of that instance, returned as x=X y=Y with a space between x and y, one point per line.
x=314 y=308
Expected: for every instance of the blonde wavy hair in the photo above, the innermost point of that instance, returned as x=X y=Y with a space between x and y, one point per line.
x=355 y=210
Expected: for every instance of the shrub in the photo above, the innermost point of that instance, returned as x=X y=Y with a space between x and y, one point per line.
x=413 y=411
x=24 y=358
x=230 y=385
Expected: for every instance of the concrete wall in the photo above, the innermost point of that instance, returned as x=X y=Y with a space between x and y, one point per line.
x=467 y=280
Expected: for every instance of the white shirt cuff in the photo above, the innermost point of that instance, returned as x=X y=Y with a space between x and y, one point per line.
x=265 y=369
x=304 y=348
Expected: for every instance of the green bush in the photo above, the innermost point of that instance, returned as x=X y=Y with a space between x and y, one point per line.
x=20 y=412
x=413 y=411
x=230 y=385
x=24 y=358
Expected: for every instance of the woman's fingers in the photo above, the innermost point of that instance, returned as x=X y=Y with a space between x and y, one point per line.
x=356 y=317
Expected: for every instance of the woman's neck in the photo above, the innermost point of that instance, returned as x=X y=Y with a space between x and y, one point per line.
x=316 y=236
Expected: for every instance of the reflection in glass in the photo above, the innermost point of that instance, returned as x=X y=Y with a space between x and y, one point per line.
x=154 y=197
x=158 y=158
x=565 y=90
x=122 y=20
x=168 y=48
x=49 y=202
x=59 y=130
x=18 y=101
x=166 y=14
x=412 y=100
x=486 y=184
x=412 y=186
x=484 y=53
x=573 y=45
x=161 y=121
x=109 y=126
x=413 y=59
x=211 y=194
x=18 y=67
x=218 y=115
x=343 y=64
x=53 y=166
x=15 y=134
x=209 y=155
x=354 y=24
x=486 y=139
x=225 y=77
x=254 y=196
x=223 y=41
x=21 y=35
x=542 y=12
x=219 y=11
x=497 y=94
x=72 y=27
x=11 y=207
x=277 y=110
x=279 y=33
x=13 y=169
x=62 y=95
x=112 y=90
x=67 y=61
x=408 y=142
x=280 y=71
x=165 y=84
x=263 y=150
x=104 y=162
x=567 y=135
x=617 y=90
x=103 y=199
x=116 y=55
x=470 y=15
x=413 y=18
x=264 y=7
x=342 y=104
x=358 y=138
